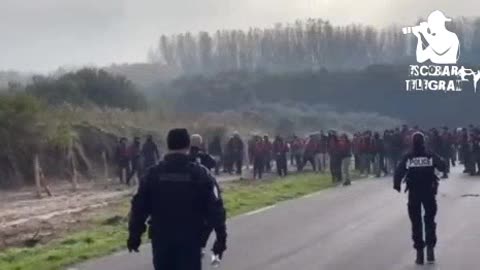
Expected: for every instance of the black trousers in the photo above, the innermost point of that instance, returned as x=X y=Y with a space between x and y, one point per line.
x=135 y=169
x=238 y=165
x=298 y=161
x=268 y=163
x=258 y=167
x=356 y=159
x=427 y=200
x=281 y=162
x=311 y=159
x=446 y=157
x=174 y=256
x=336 y=168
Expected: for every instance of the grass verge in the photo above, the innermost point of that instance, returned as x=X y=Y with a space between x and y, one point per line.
x=108 y=235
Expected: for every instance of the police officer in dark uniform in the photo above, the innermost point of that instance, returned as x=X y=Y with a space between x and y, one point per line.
x=418 y=168
x=199 y=156
x=178 y=197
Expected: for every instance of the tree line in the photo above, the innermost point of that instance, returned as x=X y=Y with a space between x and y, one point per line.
x=310 y=44
x=378 y=89
x=87 y=86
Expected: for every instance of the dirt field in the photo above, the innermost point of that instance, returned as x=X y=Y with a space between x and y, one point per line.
x=26 y=220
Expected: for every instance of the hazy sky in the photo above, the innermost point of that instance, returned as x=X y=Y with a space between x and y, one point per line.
x=41 y=35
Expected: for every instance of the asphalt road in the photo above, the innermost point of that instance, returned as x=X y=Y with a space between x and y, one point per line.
x=362 y=227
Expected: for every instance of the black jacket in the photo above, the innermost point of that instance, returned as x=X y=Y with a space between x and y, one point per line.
x=418 y=168
x=177 y=196
x=197 y=155
x=150 y=152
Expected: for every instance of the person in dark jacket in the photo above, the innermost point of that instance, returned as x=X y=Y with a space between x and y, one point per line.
x=267 y=147
x=235 y=149
x=418 y=168
x=177 y=197
x=335 y=157
x=446 y=149
x=150 y=153
x=215 y=149
x=309 y=154
x=466 y=151
x=134 y=152
x=122 y=160
x=378 y=153
x=280 y=150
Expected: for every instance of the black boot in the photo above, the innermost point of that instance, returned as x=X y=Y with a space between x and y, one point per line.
x=430 y=255
x=420 y=257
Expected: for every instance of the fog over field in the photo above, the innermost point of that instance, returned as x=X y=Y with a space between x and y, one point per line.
x=44 y=34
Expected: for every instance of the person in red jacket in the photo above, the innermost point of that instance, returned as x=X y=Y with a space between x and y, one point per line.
x=280 y=150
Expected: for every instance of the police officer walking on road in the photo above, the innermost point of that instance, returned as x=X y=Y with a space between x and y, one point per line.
x=418 y=168
x=177 y=197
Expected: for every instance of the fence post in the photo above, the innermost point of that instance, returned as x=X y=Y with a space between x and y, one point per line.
x=36 y=173
x=105 y=165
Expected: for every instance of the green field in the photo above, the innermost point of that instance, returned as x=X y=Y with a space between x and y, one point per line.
x=108 y=234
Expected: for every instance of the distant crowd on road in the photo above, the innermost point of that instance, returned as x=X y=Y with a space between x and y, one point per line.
x=368 y=152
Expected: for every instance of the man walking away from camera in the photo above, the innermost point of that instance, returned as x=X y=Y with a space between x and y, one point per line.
x=418 y=168
x=177 y=197
x=200 y=157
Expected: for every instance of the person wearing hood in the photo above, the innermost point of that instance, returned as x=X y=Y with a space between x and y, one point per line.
x=417 y=167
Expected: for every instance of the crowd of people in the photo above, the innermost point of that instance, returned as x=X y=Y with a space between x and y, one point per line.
x=368 y=152
x=183 y=178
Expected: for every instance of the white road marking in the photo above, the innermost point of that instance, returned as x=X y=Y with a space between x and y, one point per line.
x=259 y=210
x=310 y=195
